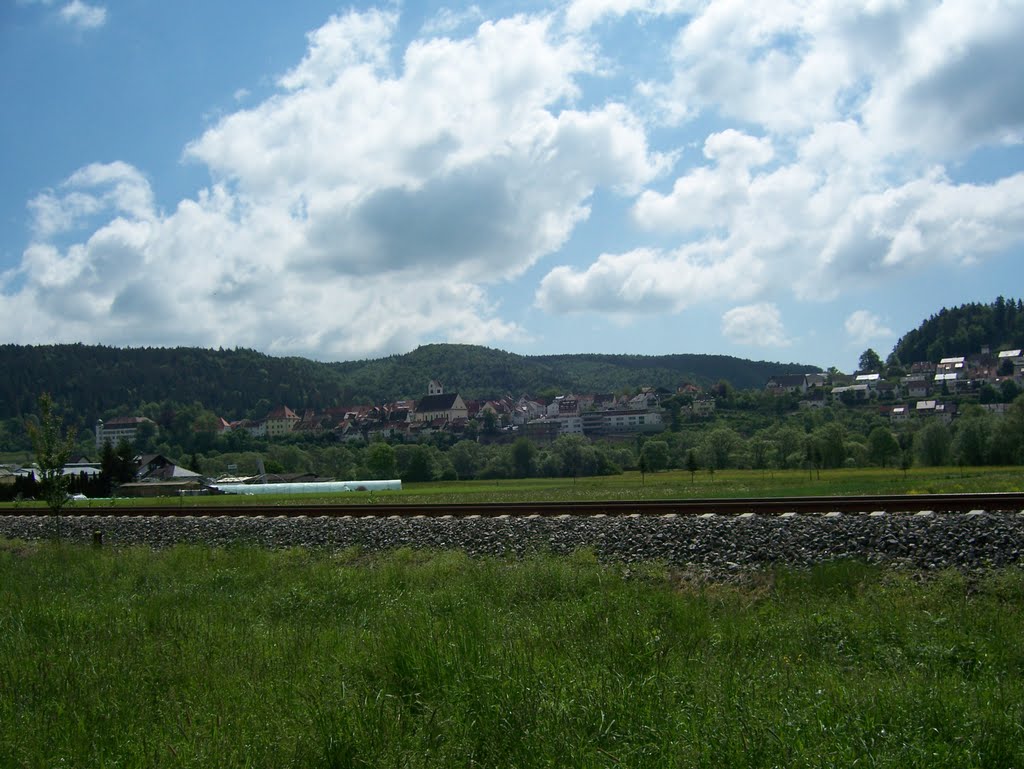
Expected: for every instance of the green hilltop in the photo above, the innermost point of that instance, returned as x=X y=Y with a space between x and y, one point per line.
x=964 y=330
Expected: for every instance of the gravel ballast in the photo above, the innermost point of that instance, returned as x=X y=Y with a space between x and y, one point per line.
x=713 y=542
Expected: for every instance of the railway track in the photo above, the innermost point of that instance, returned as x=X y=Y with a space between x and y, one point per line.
x=939 y=503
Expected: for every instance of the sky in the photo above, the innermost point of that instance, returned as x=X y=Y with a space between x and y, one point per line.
x=795 y=180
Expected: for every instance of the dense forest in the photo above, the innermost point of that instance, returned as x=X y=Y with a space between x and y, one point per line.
x=95 y=381
x=964 y=330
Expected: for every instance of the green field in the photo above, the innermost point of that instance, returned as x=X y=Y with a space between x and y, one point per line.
x=673 y=484
x=193 y=657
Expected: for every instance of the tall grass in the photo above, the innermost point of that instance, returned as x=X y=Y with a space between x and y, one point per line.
x=194 y=657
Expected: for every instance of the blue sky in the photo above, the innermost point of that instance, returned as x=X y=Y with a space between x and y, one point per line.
x=793 y=181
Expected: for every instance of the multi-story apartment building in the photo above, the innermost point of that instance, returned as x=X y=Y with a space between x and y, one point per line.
x=113 y=431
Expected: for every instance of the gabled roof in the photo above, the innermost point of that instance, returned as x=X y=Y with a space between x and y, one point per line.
x=787 y=380
x=437 y=402
x=1010 y=354
x=282 y=412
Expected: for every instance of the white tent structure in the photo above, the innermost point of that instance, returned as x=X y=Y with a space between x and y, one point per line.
x=316 y=487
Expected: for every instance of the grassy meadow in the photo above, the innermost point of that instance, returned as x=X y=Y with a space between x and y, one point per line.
x=672 y=484
x=241 y=657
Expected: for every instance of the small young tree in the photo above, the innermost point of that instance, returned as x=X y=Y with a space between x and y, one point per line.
x=692 y=465
x=53 y=450
x=906 y=462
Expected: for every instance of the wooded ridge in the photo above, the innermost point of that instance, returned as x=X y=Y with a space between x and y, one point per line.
x=92 y=380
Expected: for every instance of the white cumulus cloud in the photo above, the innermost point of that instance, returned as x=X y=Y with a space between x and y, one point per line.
x=359 y=210
x=756 y=325
x=82 y=15
x=864 y=326
x=646 y=281
x=583 y=14
x=852 y=116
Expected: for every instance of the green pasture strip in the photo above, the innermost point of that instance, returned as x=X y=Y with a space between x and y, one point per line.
x=673 y=484
x=242 y=657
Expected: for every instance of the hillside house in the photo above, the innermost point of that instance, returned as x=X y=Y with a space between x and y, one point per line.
x=886 y=390
x=311 y=423
x=702 y=408
x=854 y=392
x=645 y=400
x=1007 y=358
x=950 y=381
x=563 y=405
x=280 y=421
x=815 y=399
x=928 y=408
x=526 y=410
x=257 y=428
x=899 y=414
x=951 y=365
x=917 y=385
x=786 y=383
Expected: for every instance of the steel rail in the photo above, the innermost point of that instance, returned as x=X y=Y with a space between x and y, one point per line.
x=895 y=503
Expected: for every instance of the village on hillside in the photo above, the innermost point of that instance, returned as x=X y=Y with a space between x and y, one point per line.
x=924 y=389
x=918 y=392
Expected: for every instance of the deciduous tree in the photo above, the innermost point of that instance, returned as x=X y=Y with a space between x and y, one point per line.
x=869 y=361
x=882 y=446
x=53 y=449
x=655 y=455
x=933 y=443
x=523 y=453
x=381 y=462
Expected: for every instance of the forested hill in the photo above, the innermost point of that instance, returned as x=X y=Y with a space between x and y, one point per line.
x=964 y=330
x=94 y=381
x=481 y=372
